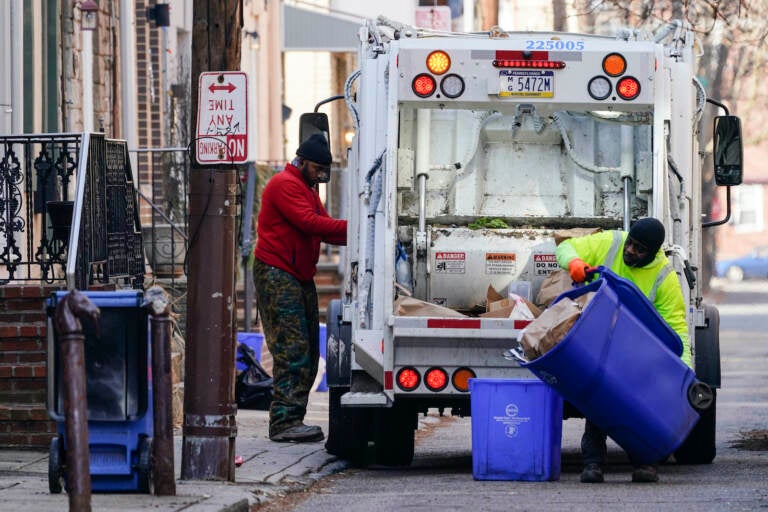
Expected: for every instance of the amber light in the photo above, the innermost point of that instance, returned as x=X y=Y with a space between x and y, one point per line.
x=460 y=378
x=424 y=85
x=436 y=379
x=614 y=64
x=408 y=379
x=438 y=62
x=628 y=88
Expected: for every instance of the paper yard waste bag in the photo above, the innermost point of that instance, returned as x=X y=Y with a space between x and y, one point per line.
x=552 y=325
x=555 y=283
x=409 y=306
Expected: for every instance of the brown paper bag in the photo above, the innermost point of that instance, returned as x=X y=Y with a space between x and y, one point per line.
x=565 y=234
x=409 y=306
x=552 y=325
x=555 y=283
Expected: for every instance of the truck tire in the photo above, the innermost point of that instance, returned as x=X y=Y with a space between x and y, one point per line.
x=699 y=446
x=394 y=431
x=348 y=429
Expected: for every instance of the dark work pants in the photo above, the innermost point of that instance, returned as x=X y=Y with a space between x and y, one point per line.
x=290 y=320
x=593 y=447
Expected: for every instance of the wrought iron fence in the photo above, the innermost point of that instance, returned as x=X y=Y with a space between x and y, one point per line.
x=52 y=182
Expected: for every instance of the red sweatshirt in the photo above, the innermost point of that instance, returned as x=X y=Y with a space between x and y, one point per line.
x=292 y=222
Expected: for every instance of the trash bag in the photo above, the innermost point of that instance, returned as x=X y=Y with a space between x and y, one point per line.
x=253 y=386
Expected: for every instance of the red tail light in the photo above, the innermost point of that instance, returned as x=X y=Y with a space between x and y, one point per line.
x=534 y=64
x=628 y=88
x=408 y=378
x=436 y=379
x=424 y=85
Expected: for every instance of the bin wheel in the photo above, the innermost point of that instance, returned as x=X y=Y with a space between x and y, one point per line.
x=700 y=396
x=699 y=447
x=144 y=466
x=55 y=466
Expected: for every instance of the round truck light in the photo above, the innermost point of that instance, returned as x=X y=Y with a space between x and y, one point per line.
x=436 y=379
x=452 y=86
x=599 y=87
x=628 y=88
x=460 y=378
x=408 y=378
x=438 y=62
x=614 y=64
x=423 y=85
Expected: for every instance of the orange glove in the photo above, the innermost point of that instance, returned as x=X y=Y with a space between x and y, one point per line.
x=577 y=269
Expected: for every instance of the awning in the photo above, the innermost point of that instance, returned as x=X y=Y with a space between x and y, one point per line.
x=308 y=30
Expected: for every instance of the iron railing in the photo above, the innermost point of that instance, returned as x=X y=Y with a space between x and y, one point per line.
x=50 y=183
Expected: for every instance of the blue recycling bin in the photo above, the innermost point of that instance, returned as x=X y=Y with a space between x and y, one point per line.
x=619 y=365
x=118 y=390
x=516 y=429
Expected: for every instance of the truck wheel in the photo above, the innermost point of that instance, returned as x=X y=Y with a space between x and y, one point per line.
x=55 y=465
x=348 y=429
x=699 y=446
x=394 y=436
x=144 y=467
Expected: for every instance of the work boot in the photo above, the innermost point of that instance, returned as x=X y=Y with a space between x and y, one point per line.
x=645 y=473
x=299 y=434
x=592 y=474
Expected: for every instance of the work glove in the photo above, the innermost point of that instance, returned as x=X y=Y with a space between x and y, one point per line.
x=578 y=270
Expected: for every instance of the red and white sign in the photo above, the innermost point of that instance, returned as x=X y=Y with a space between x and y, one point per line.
x=222 y=118
x=450 y=262
x=436 y=17
x=545 y=264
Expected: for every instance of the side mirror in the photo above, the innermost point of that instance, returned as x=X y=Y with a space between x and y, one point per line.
x=311 y=123
x=728 y=154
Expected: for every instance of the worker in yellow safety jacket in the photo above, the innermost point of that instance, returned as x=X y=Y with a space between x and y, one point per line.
x=636 y=256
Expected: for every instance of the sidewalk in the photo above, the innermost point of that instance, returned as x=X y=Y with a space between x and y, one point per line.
x=269 y=470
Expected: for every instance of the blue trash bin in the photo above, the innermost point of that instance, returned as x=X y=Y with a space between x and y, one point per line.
x=118 y=368
x=516 y=429
x=620 y=366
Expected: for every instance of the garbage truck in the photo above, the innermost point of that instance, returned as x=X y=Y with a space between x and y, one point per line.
x=471 y=150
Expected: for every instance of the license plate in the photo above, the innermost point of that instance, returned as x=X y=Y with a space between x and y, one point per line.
x=529 y=83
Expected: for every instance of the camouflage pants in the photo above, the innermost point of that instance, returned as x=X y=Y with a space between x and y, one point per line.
x=290 y=320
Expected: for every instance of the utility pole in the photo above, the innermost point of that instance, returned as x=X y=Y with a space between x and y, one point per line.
x=209 y=399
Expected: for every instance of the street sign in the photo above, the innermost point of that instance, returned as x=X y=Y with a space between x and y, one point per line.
x=222 y=118
x=436 y=17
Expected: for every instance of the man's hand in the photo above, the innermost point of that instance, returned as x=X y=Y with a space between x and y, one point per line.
x=577 y=269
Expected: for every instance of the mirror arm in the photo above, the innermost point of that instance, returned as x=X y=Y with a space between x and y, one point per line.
x=721 y=105
x=727 y=211
x=334 y=98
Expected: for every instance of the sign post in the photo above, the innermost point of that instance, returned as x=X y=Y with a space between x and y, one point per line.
x=222 y=118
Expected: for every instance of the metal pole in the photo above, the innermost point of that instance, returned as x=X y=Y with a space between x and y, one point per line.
x=156 y=301
x=73 y=306
x=247 y=244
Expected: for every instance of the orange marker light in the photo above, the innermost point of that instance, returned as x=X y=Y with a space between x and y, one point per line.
x=408 y=379
x=436 y=379
x=438 y=62
x=614 y=64
x=461 y=378
x=424 y=85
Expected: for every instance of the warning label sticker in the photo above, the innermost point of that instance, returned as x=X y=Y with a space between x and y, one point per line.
x=544 y=264
x=450 y=262
x=500 y=263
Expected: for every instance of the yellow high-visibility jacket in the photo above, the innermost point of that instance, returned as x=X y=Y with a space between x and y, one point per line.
x=657 y=280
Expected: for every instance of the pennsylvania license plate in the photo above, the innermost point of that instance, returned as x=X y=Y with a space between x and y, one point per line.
x=529 y=83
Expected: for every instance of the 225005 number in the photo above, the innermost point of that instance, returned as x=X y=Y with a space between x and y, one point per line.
x=550 y=44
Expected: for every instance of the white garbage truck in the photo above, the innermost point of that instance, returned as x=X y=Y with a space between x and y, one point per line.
x=470 y=151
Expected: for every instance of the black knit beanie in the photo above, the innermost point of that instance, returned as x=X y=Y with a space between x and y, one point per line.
x=649 y=232
x=315 y=149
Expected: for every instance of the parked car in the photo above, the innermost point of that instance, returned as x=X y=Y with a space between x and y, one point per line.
x=752 y=265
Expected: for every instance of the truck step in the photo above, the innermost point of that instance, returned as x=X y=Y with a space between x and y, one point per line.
x=364 y=399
